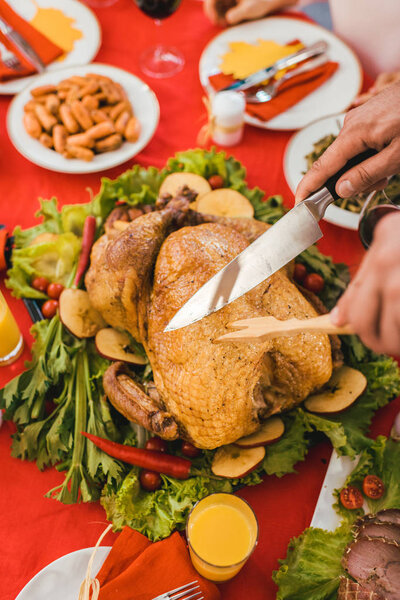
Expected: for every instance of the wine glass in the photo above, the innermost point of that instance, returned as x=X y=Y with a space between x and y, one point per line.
x=159 y=60
x=377 y=205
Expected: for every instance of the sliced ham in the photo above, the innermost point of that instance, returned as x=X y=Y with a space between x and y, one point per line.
x=389 y=515
x=379 y=529
x=375 y=564
x=350 y=590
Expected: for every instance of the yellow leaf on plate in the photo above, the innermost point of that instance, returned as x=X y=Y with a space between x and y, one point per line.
x=244 y=58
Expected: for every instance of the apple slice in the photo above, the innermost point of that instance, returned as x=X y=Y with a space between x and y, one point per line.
x=78 y=315
x=269 y=432
x=232 y=461
x=176 y=181
x=114 y=345
x=225 y=202
x=343 y=388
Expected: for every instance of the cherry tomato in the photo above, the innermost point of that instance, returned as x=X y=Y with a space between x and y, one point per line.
x=150 y=480
x=314 y=283
x=41 y=284
x=54 y=290
x=373 y=487
x=351 y=497
x=216 y=181
x=156 y=443
x=189 y=450
x=299 y=272
x=49 y=308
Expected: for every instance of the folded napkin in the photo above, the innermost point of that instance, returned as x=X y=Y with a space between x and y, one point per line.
x=39 y=42
x=139 y=569
x=290 y=93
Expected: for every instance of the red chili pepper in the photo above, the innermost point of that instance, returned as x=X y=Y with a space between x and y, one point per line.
x=89 y=230
x=175 y=466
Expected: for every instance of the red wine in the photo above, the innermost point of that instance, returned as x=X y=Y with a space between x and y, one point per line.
x=158 y=9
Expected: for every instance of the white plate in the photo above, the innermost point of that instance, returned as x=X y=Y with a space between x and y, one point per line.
x=84 y=50
x=142 y=98
x=63 y=577
x=295 y=164
x=334 y=96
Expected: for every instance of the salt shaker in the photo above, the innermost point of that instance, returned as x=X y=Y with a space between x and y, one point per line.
x=228 y=118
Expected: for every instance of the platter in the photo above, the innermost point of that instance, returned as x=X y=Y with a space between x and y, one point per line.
x=66 y=574
x=324 y=101
x=295 y=164
x=84 y=49
x=142 y=98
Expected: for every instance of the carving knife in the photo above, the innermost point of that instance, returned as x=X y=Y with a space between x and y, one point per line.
x=283 y=63
x=292 y=234
x=23 y=46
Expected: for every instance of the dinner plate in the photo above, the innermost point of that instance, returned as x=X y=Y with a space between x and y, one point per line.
x=84 y=49
x=295 y=164
x=145 y=106
x=62 y=578
x=334 y=96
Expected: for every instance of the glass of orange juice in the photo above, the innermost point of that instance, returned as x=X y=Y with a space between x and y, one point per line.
x=11 y=341
x=222 y=532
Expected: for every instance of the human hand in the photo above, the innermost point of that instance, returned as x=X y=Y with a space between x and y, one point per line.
x=375 y=124
x=243 y=10
x=381 y=82
x=371 y=303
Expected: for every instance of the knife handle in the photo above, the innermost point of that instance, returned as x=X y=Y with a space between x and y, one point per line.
x=353 y=162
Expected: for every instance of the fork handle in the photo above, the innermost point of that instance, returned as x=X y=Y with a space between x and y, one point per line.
x=261 y=329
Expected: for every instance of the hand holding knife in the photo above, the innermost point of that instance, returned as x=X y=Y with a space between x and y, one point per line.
x=23 y=46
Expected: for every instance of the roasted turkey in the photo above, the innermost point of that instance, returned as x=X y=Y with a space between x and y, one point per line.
x=210 y=394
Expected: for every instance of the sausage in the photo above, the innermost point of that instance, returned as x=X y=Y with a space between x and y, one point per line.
x=45 y=118
x=90 y=88
x=78 y=152
x=132 y=130
x=122 y=122
x=99 y=116
x=101 y=130
x=112 y=142
x=60 y=135
x=80 y=139
x=68 y=119
x=120 y=108
x=52 y=103
x=46 y=140
x=32 y=125
x=90 y=102
x=42 y=90
x=81 y=114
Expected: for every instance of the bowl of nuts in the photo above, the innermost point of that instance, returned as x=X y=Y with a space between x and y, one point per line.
x=83 y=119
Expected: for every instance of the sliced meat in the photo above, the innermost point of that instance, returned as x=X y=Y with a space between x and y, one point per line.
x=390 y=514
x=380 y=529
x=351 y=590
x=375 y=564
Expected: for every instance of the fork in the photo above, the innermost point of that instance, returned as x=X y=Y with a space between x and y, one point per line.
x=269 y=91
x=9 y=59
x=181 y=592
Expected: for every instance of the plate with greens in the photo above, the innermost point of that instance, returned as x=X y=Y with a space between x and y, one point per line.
x=66 y=372
x=309 y=144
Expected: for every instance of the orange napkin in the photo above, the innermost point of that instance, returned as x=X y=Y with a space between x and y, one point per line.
x=43 y=46
x=291 y=92
x=139 y=569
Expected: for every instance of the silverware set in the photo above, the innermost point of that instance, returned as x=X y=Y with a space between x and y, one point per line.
x=9 y=58
x=183 y=593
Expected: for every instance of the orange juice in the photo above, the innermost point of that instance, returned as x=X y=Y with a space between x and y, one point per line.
x=11 y=343
x=222 y=532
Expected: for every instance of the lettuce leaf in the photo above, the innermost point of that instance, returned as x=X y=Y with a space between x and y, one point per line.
x=53 y=258
x=282 y=456
x=136 y=186
x=312 y=567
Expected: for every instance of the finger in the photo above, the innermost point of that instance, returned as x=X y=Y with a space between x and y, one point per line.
x=370 y=172
x=389 y=339
x=210 y=11
x=334 y=158
x=363 y=312
x=380 y=185
x=241 y=12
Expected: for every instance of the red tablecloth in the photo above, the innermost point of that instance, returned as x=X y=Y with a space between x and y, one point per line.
x=35 y=531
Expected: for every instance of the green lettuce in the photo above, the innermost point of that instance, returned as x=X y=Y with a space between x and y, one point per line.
x=312 y=567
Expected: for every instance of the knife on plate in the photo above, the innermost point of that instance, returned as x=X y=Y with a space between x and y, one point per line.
x=23 y=46
x=283 y=63
x=292 y=234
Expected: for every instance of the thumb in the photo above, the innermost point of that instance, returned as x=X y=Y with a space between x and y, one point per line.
x=237 y=13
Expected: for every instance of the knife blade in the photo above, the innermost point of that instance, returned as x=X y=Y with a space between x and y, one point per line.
x=23 y=46
x=283 y=63
x=291 y=235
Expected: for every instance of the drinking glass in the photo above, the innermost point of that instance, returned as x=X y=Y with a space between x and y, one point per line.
x=159 y=60
x=377 y=205
x=11 y=341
